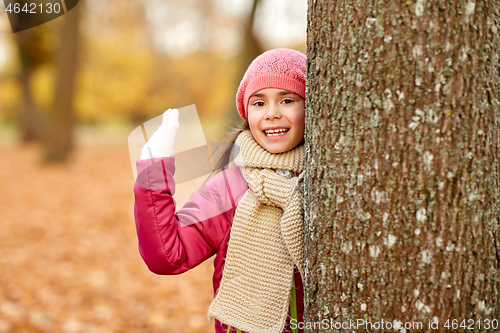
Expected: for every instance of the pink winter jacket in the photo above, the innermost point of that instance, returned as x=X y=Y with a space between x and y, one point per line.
x=172 y=242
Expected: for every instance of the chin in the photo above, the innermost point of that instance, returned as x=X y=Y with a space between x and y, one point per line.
x=278 y=150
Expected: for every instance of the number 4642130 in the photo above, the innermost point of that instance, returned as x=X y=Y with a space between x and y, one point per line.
x=471 y=324
x=32 y=8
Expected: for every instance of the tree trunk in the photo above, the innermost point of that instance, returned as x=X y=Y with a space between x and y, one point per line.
x=28 y=122
x=402 y=139
x=33 y=52
x=58 y=140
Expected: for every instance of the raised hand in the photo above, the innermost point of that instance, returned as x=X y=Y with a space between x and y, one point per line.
x=161 y=143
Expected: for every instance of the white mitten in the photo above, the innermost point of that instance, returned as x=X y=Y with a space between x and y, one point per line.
x=161 y=143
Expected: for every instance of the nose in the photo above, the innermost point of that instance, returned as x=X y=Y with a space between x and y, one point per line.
x=273 y=112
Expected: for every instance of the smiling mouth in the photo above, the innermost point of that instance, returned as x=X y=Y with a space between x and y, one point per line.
x=276 y=132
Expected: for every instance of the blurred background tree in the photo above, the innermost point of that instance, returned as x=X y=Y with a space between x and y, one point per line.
x=34 y=50
x=58 y=130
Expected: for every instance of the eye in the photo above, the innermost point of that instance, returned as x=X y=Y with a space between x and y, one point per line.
x=288 y=101
x=258 y=103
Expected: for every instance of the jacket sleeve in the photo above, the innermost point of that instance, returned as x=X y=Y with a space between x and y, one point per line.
x=172 y=242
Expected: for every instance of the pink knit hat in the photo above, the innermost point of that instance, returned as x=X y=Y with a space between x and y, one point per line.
x=279 y=68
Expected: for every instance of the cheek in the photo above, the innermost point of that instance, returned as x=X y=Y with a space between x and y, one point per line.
x=299 y=119
x=300 y=125
x=253 y=122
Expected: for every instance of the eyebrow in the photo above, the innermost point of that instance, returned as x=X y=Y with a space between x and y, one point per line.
x=281 y=93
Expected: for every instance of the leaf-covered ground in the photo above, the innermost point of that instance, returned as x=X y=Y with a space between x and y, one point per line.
x=68 y=251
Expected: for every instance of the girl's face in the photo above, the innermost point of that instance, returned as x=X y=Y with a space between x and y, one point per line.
x=276 y=119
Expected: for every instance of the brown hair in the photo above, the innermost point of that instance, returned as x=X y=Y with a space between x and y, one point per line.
x=223 y=160
x=230 y=138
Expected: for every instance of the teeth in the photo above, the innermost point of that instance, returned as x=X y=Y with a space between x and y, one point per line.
x=276 y=132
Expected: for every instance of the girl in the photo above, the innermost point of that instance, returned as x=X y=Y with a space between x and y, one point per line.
x=249 y=215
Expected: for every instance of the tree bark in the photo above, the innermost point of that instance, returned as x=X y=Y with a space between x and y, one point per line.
x=33 y=52
x=402 y=179
x=29 y=118
x=58 y=139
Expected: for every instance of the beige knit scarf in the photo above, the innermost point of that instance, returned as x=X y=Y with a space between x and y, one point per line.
x=266 y=241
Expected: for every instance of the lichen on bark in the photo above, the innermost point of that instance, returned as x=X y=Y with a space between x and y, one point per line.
x=402 y=178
